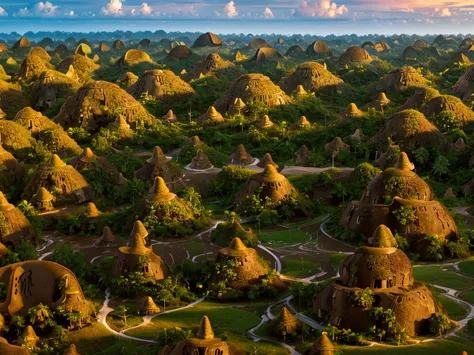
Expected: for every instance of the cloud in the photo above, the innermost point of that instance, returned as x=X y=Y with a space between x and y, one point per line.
x=70 y=13
x=229 y=10
x=322 y=8
x=45 y=8
x=3 y=12
x=267 y=13
x=113 y=7
x=145 y=9
x=444 y=12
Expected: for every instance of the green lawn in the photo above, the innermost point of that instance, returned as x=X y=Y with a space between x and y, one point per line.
x=450 y=346
x=434 y=275
x=336 y=259
x=467 y=266
x=296 y=267
x=468 y=296
x=284 y=237
x=455 y=310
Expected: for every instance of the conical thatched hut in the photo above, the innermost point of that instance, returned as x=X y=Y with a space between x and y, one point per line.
x=69 y=186
x=98 y=103
x=34 y=121
x=355 y=55
x=419 y=99
x=106 y=239
x=408 y=191
x=12 y=99
x=15 y=138
x=163 y=85
x=71 y=350
x=388 y=273
x=51 y=86
x=300 y=124
x=82 y=65
x=207 y=39
x=11 y=171
x=238 y=107
x=180 y=52
x=460 y=145
x=212 y=63
x=128 y=259
x=319 y=49
x=170 y=117
x=43 y=200
x=401 y=79
x=43 y=282
x=336 y=145
x=212 y=116
x=159 y=165
x=87 y=160
x=268 y=184
x=301 y=156
x=438 y=104
x=204 y=343
x=380 y=102
x=322 y=346
x=352 y=111
x=32 y=67
x=267 y=159
x=200 y=161
x=410 y=128
x=313 y=76
x=122 y=128
x=149 y=307
x=264 y=122
x=23 y=42
x=240 y=157
x=252 y=88
x=15 y=226
x=249 y=268
x=133 y=57
x=286 y=324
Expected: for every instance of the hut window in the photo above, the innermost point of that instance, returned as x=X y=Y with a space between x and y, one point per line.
x=145 y=268
x=377 y=283
x=219 y=352
x=391 y=282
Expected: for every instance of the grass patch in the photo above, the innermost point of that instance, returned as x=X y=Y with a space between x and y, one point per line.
x=433 y=275
x=283 y=238
x=299 y=267
x=195 y=248
x=455 y=310
x=336 y=259
x=467 y=266
x=468 y=296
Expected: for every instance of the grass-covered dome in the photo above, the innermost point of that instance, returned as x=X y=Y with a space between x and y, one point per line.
x=83 y=66
x=401 y=79
x=355 y=55
x=441 y=103
x=15 y=227
x=134 y=56
x=207 y=39
x=51 y=86
x=318 y=49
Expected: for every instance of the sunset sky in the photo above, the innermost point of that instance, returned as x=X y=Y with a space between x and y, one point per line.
x=259 y=16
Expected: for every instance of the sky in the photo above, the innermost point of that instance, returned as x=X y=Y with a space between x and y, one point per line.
x=241 y=16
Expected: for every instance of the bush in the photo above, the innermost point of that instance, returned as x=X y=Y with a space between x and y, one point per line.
x=439 y=323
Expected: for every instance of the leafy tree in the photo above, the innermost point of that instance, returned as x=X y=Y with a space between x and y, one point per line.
x=439 y=323
x=422 y=156
x=440 y=166
x=363 y=298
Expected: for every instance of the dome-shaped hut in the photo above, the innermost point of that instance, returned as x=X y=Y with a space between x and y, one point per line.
x=240 y=157
x=15 y=138
x=122 y=128
x=319 y=49
x=263 y=55
x=380 y=102
x=69 y=186
x=83 y=66
x=32 y=67
x=118 y=44
x=441 y=103
x=336 y=145
x=16 y=226
x=295 y=51
x=252 y=88
x=34 y=121
x=207 y=39
x=355 y=55
x=180 y=52
x=300 y=124
x=23 y=42
x=149 y=307
x=12 y=99
x=352 y=111
x=200 y=161
x=129 y=258
x=163 y=85
x=106 y=239
x=267 y=159
x=212 y=63
x=43 y=200
x=322 y=346
x=313 y=76
x=11 y=171
x=41 y=53
x=264 y=122
x=51 y=86
x=301 y=156
x=133 y=57
x=95 y=105
x=419 y=99
x=212 y=116
x=388 y=273
x=258 y=43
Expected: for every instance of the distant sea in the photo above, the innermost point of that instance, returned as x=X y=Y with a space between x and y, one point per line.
x=225 y=26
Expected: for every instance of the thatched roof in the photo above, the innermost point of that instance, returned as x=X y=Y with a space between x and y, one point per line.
x=180 y=52
x=322 y=346
x=149 y=307
x=127 y=258
x=23 y=42
x=401 y=79
x=69 y=186
x=301 y=123
x=269 y=184
x=419 y=99
x=11 y=98
x=121 y=126
x=15 y=138
x=106 y=238
x=200 y=161
x=57 y=141
x=207 y=39
x=43 y=200
x=134 y=56
x=259 y=43
x=163 y=85
x=71 y=350
x=352 y=111
x=436 y=105
x=410 y=128
x=82 y=65
x=267 y=159
x=286 y=322
x=355 y=55
x=380 y=102
x=318 y=49
x=159 y=192
x=212 y=63
x=240 y=157
x=41 y=52
x=34 y=121
x=212 y=116
x=51 y=86
x=312 y=76
x=252 y=88
x=89 y=161
x=264 y=122
x=16 y=226
x=267 y=54
x=336 y=145
x=301 y=155
x=32 y=67
x=295 y=51
x=98 y=103
x=11 y=170
x=159 y=165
